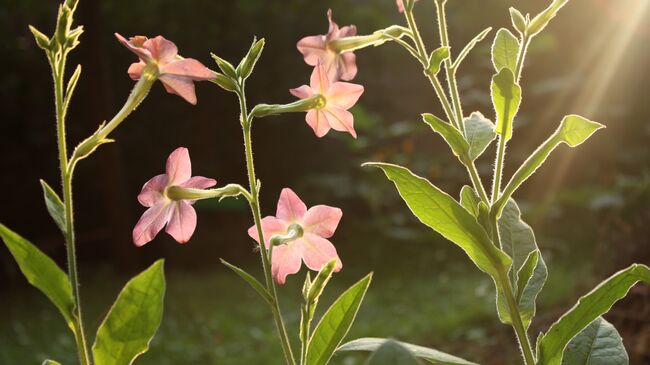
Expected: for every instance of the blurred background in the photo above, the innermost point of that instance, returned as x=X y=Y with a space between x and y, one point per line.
x=588 y=206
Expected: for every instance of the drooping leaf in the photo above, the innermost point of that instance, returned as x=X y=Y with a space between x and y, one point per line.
x=461 y=56
x=573 y=130
x=479 y=133
x=551 y=345
x=431 y=355
x=541 y=20
x=392 y=353
x=336 y=323
x=443 y=214
x=254 y=283
x=505 y=50
x=133 y=320
x=42 y=272
x=469 y=200
x=506 y=97
x=598 y=344
x=435 y=59
x=451 y=135
x=54 y=206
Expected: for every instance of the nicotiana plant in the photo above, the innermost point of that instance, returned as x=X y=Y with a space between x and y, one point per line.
x=487 y=226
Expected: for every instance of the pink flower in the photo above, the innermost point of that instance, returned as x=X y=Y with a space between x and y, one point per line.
x=316 y=49
x=178 y=215
x=318 y=224
x=338 y=97
x=400 y=5
x=177 y=75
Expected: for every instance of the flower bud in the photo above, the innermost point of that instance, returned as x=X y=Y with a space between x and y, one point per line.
x=226 y=67
x=42 y=40
x=224 y=82
x=72 y=40
x=321 y=280
x=542 y=19
x=63 y=24
x=247 y=64
x=379 y=37
x=315 y=102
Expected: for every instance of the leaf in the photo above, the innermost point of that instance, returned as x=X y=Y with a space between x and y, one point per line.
x=541 y=20
x=449 y=133
x=479 y=133
x=443 y=214
x=226 y=67
x=506 y=97
x=431 y=355
x=254 y=283
x=54 y=206
x=573 y=131
x=598 y=344
x=469 y=200
x=505 y=50
x=435 y=59
x=50 y=362
x=42 y=272
x=526 y=272
x=392 y=353
x=133 y=320
x=518 y=20
x=532 y=287
x=469 y=47
x=336 y=323
x=551 y=345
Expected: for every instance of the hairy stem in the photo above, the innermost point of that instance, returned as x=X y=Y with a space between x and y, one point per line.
x=517 y=324
x=255 y=208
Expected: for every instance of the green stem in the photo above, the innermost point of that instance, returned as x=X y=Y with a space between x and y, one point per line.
x=498 y=169
x=58 y=73
x=255 y=208
x=305 y=331
x=517 y=324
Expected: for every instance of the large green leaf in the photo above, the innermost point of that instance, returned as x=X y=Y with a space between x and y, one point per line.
x=541 y=20
x=461 y=56
x=573 y=130
x=443 y=214
x=336 y=323
x=551 y=345
x=479 y=133
x=598 y=344
x=133 y=319
x=431 y=355
x=392 y=353
x=54 y=206
x=506 y=97
x=451 y=135
x=528 y=273
x=505 y=50
x=42 y=272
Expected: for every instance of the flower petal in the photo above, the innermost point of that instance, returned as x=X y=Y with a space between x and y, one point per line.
x=182 y=222
x=333 y=31
x=302 y=92
x=318 y=122
x=317 y=251
x=313 y=49
x=152 y=190
x=188 y=67
x=285 y=261
x=400 y=5
x=179 y=85
x=271 y=226
x=344 y=94
x=162 y=50
x=347 y=31
x=322 y=220
x=135 y=70
x=290 y=207
x=179 y=166
x=319 y=81
x=199 y=182
x=142 y=53
x=340 y=120
x=151 y=222
x=346 y=66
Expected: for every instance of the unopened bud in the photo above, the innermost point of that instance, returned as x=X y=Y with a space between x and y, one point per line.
x=247 y=64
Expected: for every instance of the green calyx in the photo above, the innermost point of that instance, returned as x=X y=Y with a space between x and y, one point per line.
x=294 y=232
x=316 y=101
x=379 y=37
x=177 y=193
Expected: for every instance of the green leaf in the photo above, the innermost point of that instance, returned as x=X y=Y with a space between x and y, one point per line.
x=254 y=283
x=598 y=344
x=54 y=206
x=573 y=130
x=392 y=353
x=336 y=323
x=532 y=287
x=50 y=362
x=443 y=214
x=505 y=50
x=133 y=320
x=469 y=200
x=518 y=20
x=247 y=64
x=449 y=133
x=431 y=355
x=551 y=345
x=42 y=40
x=526 y=272
x=541 y=20
x=435 y=59
x=469 y=47
x=42 y=272
x=506 y=97
x=479 y=133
